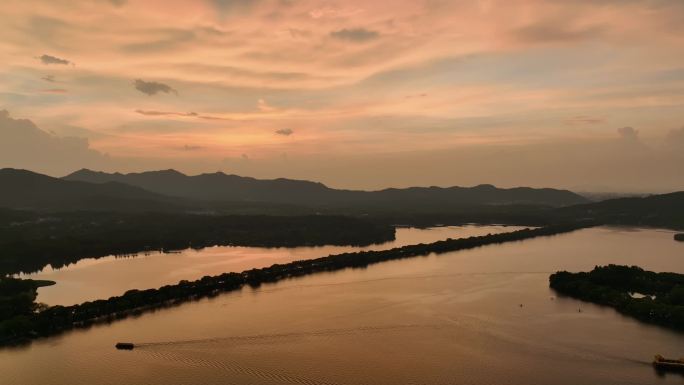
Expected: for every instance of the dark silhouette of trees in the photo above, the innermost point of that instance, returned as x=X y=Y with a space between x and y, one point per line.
x=32 y=241
x=664 y=211
x=17 y=305
x=661 y=299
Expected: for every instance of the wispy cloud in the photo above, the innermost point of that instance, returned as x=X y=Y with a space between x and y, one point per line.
x=358 y=35
x=55 y=91
x=182 y=114
x=168 y=40
x=263 y=106
x=335 y=12
x=628 y=133
x=228 y=6
x=189 y=147
x=581 y=119
x=48 y=59
x=349 y=77
x=284 y=131
x=675 y=139
x=165 y=113
x=153 y=88
x=554 y=31
x=24 y=145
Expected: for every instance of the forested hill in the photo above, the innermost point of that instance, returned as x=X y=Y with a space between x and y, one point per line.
x=171 y=191
x=28 y=190
x=665 y=210
x=233 y=188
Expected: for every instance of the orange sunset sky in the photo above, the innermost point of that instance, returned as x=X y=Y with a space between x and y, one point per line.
x=584 y=94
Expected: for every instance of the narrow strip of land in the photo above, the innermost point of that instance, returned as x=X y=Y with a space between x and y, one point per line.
x=57 y=319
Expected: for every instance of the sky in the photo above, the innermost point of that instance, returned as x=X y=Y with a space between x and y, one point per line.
x=584 y=94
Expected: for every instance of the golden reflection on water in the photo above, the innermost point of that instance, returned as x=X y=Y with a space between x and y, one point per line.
x=452 y=318
x=91 y=279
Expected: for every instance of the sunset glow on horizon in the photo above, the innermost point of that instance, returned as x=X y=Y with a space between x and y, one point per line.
x=527 y=92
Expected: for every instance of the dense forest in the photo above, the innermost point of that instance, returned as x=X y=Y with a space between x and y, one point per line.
x=29 y=241
x=660 y=300
x=56 y=319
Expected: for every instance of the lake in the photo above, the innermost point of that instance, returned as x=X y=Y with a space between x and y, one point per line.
x=480 y=316
x=96 y=278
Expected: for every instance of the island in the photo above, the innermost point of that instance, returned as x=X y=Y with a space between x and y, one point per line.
x=656 y=298
x=679 y=237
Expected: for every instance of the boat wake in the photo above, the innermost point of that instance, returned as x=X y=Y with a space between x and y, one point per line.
x=194 y=352
x=234 y=369
x=274 y=337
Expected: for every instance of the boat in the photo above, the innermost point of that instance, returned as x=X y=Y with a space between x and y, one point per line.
x=661 y=362
x=124 y=345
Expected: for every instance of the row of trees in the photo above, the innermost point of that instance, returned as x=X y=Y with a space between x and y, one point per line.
x=29 y=243
x=59 y=318
x=663 y=293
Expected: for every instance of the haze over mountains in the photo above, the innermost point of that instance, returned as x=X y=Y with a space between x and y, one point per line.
x=232 y=188
x=664 y=210
x=172 y=191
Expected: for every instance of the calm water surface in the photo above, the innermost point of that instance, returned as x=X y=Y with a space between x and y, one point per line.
x=92 y=278
x=447 y=319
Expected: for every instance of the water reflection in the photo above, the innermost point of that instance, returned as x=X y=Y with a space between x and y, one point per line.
x=96 y=278
x=452 y=318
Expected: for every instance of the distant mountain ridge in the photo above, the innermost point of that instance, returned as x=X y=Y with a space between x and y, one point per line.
x=664 y=210
x=29 y=190
x=218 y=193
x=222 y=187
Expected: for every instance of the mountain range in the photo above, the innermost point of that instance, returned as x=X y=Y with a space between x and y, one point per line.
x=220 y=187
x=22 y=189
x=172 y=191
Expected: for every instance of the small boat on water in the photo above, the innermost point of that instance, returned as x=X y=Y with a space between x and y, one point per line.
x=124 y=346
x=661 y=362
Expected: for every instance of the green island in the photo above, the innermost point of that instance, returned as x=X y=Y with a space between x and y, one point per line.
x=32 y=320
x=656 y=298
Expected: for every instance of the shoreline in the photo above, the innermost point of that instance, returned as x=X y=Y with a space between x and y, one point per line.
x=57 y=319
